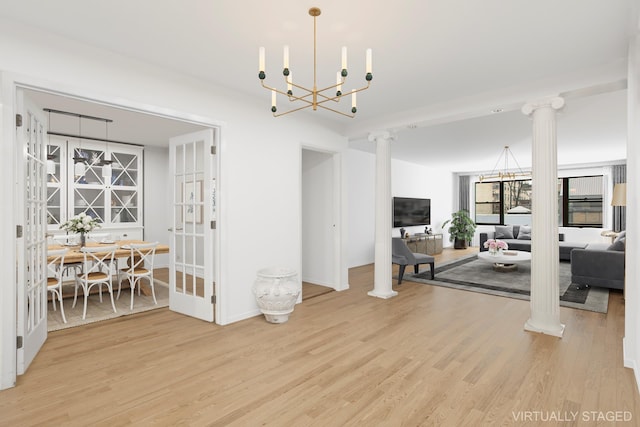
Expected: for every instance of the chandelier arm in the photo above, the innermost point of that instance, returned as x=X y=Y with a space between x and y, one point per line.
x=336 y=111
x=337 y=98
x=293 y=98
x=292 y=111
x=286 y=94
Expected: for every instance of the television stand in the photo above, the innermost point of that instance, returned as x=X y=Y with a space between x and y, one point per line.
x=423 y=243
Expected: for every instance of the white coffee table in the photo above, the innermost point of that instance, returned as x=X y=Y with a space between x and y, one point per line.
x=506 y=261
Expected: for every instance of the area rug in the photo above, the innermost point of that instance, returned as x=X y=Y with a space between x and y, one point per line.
x=474 y=275
x=98 y=311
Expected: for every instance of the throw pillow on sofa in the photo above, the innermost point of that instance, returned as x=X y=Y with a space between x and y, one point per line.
x=504 y=232
x=524 y=233
x=618 y=245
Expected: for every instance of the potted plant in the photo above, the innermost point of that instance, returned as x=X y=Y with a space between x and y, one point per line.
x=461 y=228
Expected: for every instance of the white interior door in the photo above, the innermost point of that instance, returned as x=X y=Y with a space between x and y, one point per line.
x=192 y=258
x=31 y=214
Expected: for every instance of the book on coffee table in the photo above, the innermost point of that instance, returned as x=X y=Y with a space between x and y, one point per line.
x=511 y=253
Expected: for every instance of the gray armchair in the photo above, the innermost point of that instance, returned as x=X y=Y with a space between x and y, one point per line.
x=402 y=255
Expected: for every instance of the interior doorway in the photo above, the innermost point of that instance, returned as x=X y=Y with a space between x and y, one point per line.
x=319 y=207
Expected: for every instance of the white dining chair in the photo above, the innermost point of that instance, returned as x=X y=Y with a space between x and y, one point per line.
x=141 y=256
x=96 y=271
x=55 y=272
x=68 y=240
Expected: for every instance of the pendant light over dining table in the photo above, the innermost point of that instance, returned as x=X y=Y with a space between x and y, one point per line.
x=79 y=157
x=106 y=163
x=79 y=161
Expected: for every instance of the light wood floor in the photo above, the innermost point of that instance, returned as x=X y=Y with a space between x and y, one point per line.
x=430 y=356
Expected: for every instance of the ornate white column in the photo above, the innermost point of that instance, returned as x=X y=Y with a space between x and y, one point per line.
x=545 y=298
x=382 y=281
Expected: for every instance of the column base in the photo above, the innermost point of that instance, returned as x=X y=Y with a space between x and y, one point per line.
x=555 y=331
x=385 y=295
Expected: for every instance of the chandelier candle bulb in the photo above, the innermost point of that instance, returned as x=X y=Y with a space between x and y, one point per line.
x=273 y=98
x=339 y=82
x=286 y=57
x=290 y=83
x=344 y=57
x=261 y=59
x=353 y=98
x=369 y=62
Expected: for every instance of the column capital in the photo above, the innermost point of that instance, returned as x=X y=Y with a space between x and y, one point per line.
x=555 y=102
x=381 y=134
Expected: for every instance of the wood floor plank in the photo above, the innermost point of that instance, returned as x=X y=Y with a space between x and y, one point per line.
x=430 y=356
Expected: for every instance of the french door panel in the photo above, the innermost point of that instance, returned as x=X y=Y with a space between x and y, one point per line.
x=191 y=244
x=31 y=210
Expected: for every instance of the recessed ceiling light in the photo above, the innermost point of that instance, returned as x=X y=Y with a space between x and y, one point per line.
x=412 y=126
x=497 y=110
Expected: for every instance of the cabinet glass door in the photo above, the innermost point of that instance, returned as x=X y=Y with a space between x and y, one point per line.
x=89 y=195
x=114 y=200
x=124 y=206
x=125 y=203
x=124 y=169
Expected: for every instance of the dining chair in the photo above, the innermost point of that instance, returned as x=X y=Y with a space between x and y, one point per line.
x=141 y=256
x=55 y=272
x=68 y=240
x=96 y=271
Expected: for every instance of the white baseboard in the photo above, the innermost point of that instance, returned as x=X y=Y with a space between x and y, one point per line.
x=317 y=282
x=242 y=316
x=630 y=363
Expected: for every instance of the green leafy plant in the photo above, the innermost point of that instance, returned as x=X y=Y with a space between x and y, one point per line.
x=461 y=228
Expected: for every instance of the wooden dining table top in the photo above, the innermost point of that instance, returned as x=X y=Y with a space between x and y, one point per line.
x=74 y=254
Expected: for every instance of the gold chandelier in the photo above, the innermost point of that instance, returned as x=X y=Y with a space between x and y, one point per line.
x=506 y=173
x=314 y=97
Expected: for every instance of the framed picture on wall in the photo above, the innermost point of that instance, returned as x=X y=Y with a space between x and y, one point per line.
x=193 y=201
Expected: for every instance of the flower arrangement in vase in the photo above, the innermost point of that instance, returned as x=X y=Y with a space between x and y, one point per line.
x=82 y=224
x=495 y=246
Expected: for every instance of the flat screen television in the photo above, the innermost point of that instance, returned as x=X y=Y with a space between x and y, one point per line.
x=409 y=211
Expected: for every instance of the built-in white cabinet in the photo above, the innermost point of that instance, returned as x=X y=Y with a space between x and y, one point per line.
x=116 y=200
x=56 y=180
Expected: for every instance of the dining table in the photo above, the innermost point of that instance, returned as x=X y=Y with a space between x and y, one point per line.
x=75 y=255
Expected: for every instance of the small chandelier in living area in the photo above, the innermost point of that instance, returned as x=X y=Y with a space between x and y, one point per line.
x=505 y=173
x=314 y=97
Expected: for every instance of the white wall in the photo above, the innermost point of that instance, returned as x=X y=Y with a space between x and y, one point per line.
x=259 y=188
x=631 y=343
x=317 y=218
x=407 y=180
x=361 y=207
x=157 y=218
x=412 y=180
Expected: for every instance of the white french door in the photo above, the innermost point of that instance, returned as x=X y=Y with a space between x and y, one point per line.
x=192 y=258
x=31 y=211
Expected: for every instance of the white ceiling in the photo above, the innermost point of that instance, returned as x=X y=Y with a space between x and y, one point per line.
x=440 y=66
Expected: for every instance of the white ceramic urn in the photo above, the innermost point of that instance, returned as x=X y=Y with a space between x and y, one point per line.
x=276 y=290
